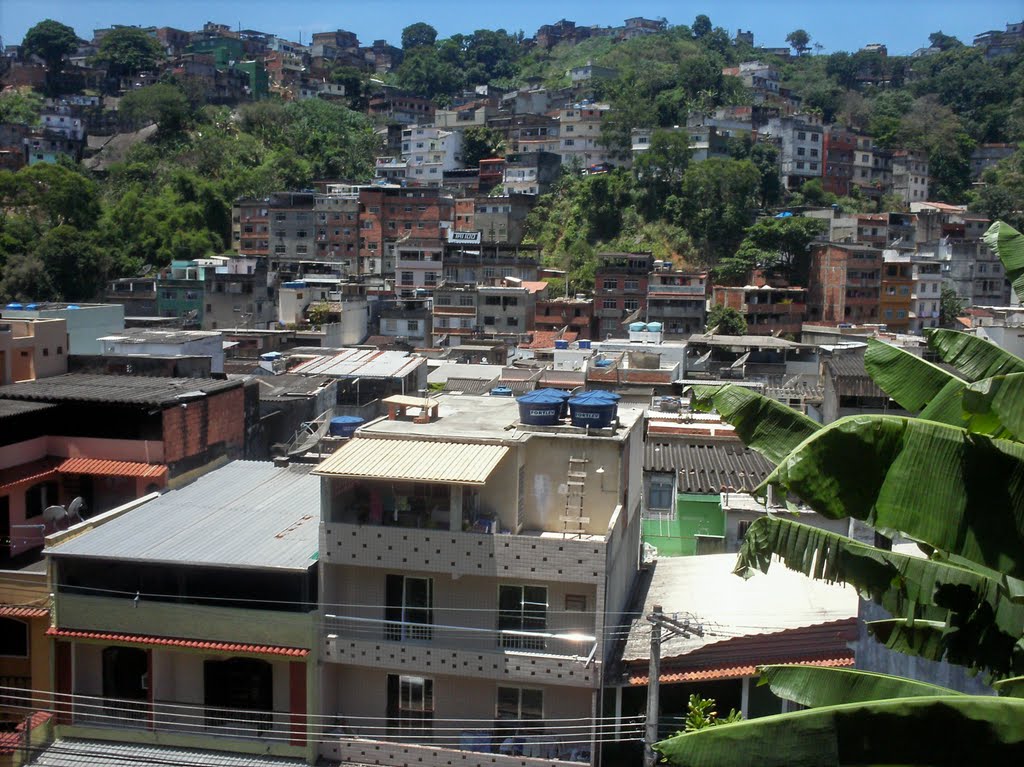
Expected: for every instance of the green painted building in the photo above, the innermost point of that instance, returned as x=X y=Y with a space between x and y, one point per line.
x=259 y=81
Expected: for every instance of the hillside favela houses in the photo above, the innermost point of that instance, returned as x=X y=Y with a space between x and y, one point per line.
x=347 y=406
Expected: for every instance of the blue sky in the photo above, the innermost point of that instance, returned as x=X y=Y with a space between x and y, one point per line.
x=903 y=25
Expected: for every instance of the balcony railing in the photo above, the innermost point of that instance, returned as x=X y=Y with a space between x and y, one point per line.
x=565 y=643
x=183 y=718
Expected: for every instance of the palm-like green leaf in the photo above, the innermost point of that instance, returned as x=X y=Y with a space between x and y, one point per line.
x=816 y=686
x=925 y=639
x=1008 y=244
x=1011 y=688
x=982 y=624
x=974 y=729
x=958 y=492
x=764 y=425
x=974 y=357
x=908 y=379
x=998 y=400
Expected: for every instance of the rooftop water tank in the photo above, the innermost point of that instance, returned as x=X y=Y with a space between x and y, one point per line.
x=561 y=344
x=14 y=305
x=603 y=363
x=541 y=407
x=31 y=307
x=295 y=284
x=584 y=344
x=345 y=425
x=638 y=327
x=596 y=409
x=271 y=356
x=654 y=327
x=501 y=391
x=73 y=306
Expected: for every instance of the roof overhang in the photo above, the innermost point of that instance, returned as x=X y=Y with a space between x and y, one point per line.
x=414 y=460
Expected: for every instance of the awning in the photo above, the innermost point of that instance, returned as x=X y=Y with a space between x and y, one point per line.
x=414 y=460
x=102 y=468
x=192 y=644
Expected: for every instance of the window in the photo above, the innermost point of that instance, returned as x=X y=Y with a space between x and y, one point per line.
x=801 y=151
x=13 y=638
x=239 y=692
x=661 y=493
x=631 y=304
x=631 y=285
x=410 y=608
x=488 y=320
x=520 y=704
x=575 y=603
x=610 y=303
x=466 y=300
x=512 y=322
x=410 y=704
x=412 y=326
x=39 y=496
x=801 y=136
x=522 y=608
x=610 y=284
x=741 y=529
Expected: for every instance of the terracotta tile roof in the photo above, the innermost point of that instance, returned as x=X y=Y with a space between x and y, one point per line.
x=21 y=611
x=194 y=644
x=32 y=471
x=545 y=339
x=102 y=468
x=734 y=672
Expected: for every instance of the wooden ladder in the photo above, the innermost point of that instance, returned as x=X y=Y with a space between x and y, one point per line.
x=573 y=519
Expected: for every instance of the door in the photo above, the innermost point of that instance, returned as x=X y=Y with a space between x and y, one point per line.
x=126 y=683
x=522 y=609
x=410 y=608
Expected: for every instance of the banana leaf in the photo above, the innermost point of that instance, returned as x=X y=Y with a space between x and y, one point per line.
x=974 y=357
x=952 y=729
x=817 y=686
x=958 y=492
x=999 y=399
x=925 y=639
x=1010 y=688
x=983 y=624
x=764 y=424
x=1008 y=244
x=908 y=379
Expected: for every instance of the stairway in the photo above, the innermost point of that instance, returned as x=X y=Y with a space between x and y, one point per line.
x=573 y=519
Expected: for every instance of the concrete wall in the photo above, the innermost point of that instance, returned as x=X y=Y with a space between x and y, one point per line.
x=84 y=325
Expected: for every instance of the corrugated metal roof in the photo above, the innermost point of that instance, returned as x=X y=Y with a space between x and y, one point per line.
x=414 y=460
x=361 y=363
x=245 y=514
x=65 y=752
x=102 y=468
x=9 y=408
x=194 y=644
x=125 y=390
x=708 y=467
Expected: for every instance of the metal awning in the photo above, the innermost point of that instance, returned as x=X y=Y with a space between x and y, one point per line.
x=414 y=460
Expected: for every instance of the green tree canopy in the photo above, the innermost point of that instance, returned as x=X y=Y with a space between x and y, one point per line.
x=161 y=103
x=51 y=41
x=126 y=51
x=20 y=106
x=799 y=41
x=726 y=321
x=480 y=143
x=418 y=35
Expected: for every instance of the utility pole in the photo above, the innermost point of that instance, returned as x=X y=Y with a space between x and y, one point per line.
x=674 y=628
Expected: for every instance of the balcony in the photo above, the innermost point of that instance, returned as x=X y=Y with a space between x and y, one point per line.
x=561 y=657
x=683 y=290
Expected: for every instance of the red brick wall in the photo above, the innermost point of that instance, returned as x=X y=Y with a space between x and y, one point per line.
x=191 y=429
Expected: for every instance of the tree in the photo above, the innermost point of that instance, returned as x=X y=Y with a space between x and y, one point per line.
x=799 y=41
x=726 y=321
x=126 y=51
x=161 y=103
x=659 y=170
x=701 y=27
x=942 y=41
x=951 y=306
x=423 y=72
x=946 y=479
x=775 y=245
x=20 y=107
x=25 y=278
x=480 y=143
x=51 y=41
x=716 y=202
x=418 y=35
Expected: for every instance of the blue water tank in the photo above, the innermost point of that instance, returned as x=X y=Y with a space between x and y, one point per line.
x=603 y=363
x=501 y=391
x=542 y=407
x=345 y=425
x=584 y=344
x=31 y=307
x=73 y=306
x=14 y=305
x=271 y=356
x=561 y=344
x=596 y=409
x=638 y=327
x=295 y=284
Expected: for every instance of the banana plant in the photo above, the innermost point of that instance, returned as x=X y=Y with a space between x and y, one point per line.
x=950 y=479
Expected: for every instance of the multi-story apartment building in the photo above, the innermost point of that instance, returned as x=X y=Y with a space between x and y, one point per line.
x=840 y=151
x=769 y=309
x=506 y=310
x=580 y=134
x=500 y=218
x=32 y=348
x=896 y=302
x=415 y=219
x=926 y=293
x=620 y=290
x=454 y=312
x=476 y=569
x=189 y=618
x=469 y=259
x=531 y=172
x=407 y=320
x=910 y=175
x=801 y=140
x=576 y=314
x=678 y=300
x=429 y=152
x=845 y=283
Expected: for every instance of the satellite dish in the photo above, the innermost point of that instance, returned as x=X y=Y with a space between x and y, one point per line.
x=146 y=269
x=76 y=507
x=54 y=514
